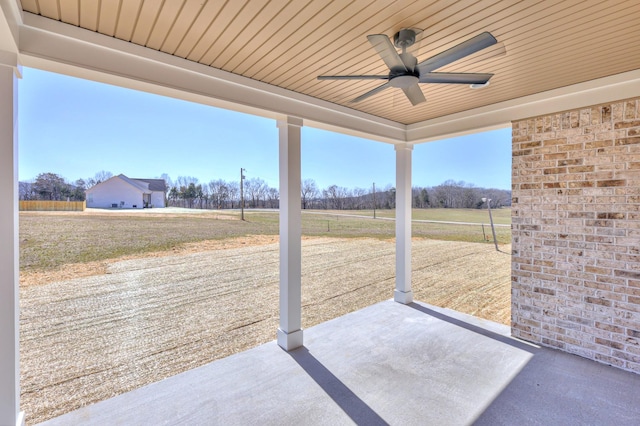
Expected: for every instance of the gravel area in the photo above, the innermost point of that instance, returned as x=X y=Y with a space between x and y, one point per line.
x=140 y=320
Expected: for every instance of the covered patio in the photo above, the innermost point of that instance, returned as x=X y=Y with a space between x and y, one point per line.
x=390 y=363
x=570 y=80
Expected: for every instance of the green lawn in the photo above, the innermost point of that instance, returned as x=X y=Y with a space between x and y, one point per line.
x=48 y=241
x=500 y=216
x=355 y=223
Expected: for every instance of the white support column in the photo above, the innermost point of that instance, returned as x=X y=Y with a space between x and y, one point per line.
x=9 y=308
x=290 y=330
x=403 y=293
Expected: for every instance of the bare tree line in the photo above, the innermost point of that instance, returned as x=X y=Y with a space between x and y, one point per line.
x=459 y=195
x=188 y=192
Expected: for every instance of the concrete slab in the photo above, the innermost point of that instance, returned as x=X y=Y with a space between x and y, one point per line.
x=389 y=363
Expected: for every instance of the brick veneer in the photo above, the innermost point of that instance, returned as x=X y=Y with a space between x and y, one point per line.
x=576 y=232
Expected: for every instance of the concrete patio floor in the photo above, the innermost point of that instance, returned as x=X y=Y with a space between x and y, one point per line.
x=386 y=364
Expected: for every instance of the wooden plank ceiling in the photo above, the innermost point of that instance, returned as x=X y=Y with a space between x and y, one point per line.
x=288 y=43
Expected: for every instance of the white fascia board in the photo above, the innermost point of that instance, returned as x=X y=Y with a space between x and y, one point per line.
x=10 y=19
x=53 y=46
x=500 y=115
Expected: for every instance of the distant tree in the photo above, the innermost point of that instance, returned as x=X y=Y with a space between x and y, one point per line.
x=167 y=180
x=440 y=196
x=255 y=189
x=335 y=196
x=219 y=192
x=357 y=199
x=185 y=181
x=103 y=175
x=99 y=177
x=448 y=194
x=499 y=197
x=174 y=194
x=308 y=191
x=49 y=186
x=200 y=195
x=189 y=194
x=26 y=191
x=424 y=197
x=233 y=189
x=389 y=197
x=469 y=196
x=273 y=198
x=420 y=197
x=78 y=190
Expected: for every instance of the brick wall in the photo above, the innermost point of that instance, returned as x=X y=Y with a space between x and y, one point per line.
x=576 y=232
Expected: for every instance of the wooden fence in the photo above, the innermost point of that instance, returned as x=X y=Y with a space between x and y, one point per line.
x=60 y=206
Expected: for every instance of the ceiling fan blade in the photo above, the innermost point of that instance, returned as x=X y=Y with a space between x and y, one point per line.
x=415 y=95
x=455 y=78
x=353 y=77
x=473 y=45
x=494 y=51
x=370 y=93
x=387 y=52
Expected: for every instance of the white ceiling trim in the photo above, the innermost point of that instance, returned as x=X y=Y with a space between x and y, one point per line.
x=10 y=17
x=54 y=46
x=500 y=115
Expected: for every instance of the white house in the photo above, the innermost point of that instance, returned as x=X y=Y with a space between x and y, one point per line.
x=126 y=193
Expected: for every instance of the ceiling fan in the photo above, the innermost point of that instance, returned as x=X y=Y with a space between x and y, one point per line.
x=406 y=73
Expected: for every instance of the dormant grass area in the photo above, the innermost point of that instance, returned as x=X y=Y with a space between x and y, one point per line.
x=500 y=216
x=98 y=319
x=51 y=240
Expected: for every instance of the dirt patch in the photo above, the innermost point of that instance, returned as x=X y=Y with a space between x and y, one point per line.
x=141 y=319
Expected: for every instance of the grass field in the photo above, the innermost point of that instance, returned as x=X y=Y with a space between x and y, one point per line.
x=500 y=216
x=49 y=240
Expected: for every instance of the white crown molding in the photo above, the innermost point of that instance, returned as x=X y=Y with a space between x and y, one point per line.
x=10 y=20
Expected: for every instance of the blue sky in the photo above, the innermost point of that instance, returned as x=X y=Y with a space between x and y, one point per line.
x=75 y=128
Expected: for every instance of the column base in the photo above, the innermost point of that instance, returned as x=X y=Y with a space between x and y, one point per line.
x=289 y=341
x=403 y=297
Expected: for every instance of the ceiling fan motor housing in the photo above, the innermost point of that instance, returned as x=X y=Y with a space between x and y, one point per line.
x=404 y=38
x=403 y=81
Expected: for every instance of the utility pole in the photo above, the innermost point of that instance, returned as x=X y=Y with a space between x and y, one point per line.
x=493 y=230
x=242 y=193
x=374 y=200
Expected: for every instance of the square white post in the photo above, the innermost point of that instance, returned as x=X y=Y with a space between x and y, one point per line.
x=9 y=307
x=403 y=293
x=290 y=330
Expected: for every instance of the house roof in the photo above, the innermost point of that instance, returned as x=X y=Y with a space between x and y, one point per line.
x=154 y=184
x=142 y=186
x=263 y=56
